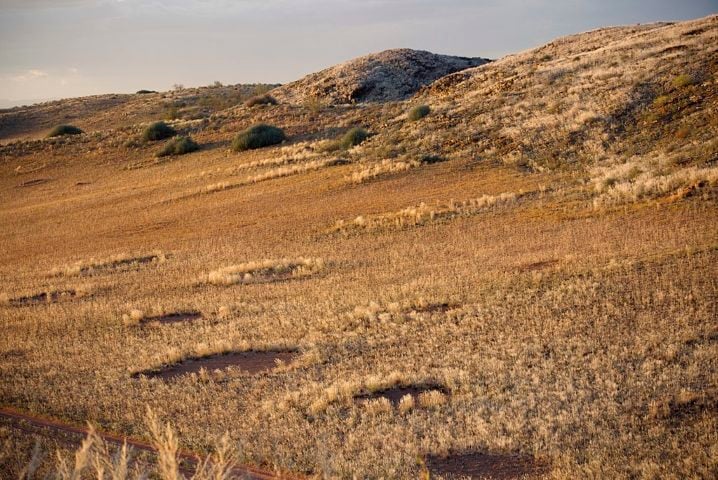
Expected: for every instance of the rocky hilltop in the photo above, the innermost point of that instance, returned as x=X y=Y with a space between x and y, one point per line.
x=389 y=75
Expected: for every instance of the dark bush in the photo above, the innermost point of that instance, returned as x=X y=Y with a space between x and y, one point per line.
x=354 y=137
x=158 y=131
x=261 y=100
x=417 y=113
x=64 y=130
x=143 y=92
x=178 y=146
x=429 y=159
x=258 y=136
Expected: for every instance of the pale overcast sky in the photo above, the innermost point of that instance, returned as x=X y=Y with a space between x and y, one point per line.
x=64 y=48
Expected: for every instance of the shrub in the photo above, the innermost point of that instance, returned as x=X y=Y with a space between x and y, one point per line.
x=64 y=130
x=178 y=146
x=143 y=91
x=683 y=81
x=417 y=113
x=354 y=137
x=258 y=136
x=261 y=100
x=158 y=131
x=429 y=159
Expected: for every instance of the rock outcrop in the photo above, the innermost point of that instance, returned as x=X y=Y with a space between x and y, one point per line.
x=379 y=77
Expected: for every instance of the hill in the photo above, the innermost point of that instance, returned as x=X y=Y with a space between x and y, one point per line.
x=519 y=281
x=379 y=77
x=104 y=112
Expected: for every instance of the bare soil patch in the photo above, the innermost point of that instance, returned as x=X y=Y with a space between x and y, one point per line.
x=493 y=466
x=395 y=394
x=442 y=307
x=43 y=297
x=176 y=317
x=251 y=362
x=535 y=266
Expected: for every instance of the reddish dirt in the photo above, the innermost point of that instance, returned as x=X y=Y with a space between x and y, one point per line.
x=486 y=466
x=395 y=394
x=251 y=362
x=176 y=317
x=35 y=424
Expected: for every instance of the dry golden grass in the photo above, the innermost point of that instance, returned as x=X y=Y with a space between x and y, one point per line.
x=574 y=321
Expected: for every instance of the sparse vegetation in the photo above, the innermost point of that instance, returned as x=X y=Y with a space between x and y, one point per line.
x=258 y=136
x=419 y=112
x=178 y=146
x=62 y=130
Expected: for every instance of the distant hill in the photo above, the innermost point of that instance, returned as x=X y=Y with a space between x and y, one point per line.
x=389 y=75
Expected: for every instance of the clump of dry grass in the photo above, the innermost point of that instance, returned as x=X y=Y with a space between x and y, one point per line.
x=641 y=179
x=134 y=317
x=266 y=270
x=423 y=214
x=279 y=172
x=385 y=167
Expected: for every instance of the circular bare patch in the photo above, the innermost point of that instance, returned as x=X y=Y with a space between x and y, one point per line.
x=495 y=466
x=251 y=362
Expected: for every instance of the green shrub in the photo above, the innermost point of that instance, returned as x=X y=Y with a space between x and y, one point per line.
x=61 y=130
x=143 y=92
x=354 y=137
x=178 y=146
x=261 y=100
x=158 y=131
x=661 y=101
x=683 y=81
x=417 y=113
x=258 y=136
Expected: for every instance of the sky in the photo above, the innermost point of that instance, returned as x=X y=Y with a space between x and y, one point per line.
x=65 y=48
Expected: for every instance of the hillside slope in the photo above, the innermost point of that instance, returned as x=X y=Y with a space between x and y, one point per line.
x=104 y=112
x=534 y=262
